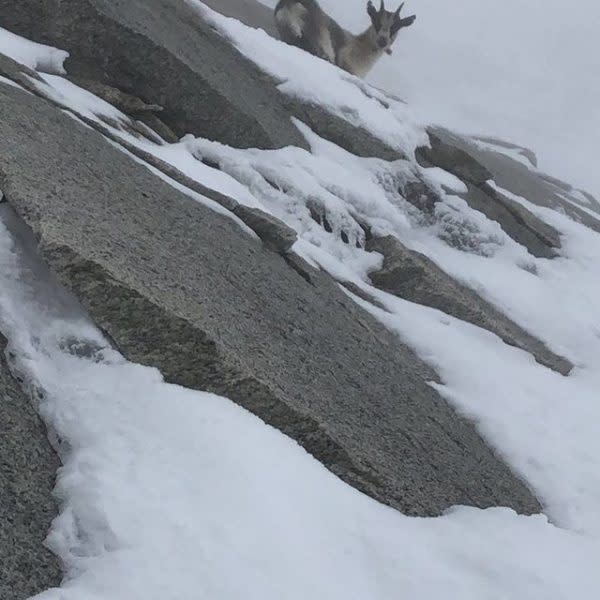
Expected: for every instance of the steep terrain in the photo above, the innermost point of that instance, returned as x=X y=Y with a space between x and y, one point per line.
x=389 y=296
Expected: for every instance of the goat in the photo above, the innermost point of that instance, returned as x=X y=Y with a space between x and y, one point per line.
x=304 y=24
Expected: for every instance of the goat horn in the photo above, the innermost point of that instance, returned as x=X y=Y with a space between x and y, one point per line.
x=382 y=7
x=400 y=8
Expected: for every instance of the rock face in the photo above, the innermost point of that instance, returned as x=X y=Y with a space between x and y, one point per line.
x=251 y=12
x=162 y=53
x=451 y=152
x=182 y=288
x=27 y=471
x=465 y=157
x=275 y=234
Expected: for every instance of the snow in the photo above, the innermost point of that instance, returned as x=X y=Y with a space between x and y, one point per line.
x=171 y=493
x=322 y=83
x=35 y=56
x=525 y=72
x=89 y=105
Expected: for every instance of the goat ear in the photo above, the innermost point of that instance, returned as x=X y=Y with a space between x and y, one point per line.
x=374 y=14
x=400 y=23
x=371 y=9
x=408 y=21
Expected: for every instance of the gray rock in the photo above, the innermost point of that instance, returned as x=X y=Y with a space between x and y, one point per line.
x=275 y=234
x=450 y=153
x=182 y=288
x=250 y=12
x=452 y=158
x=521 y=225
x=515 y=177
x=23 y=76
x=501 y=144
x=126 y=103
x=132 y=106
x=338 y=130
x=162 y=52
x=18 y=73
x=28 y=467
x=413 y=276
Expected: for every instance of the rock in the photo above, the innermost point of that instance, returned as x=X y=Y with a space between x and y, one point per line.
x=453 y=159
x=449 y=153
x=132 y=106
x=28 y=467
x=126 y=103
x=23 y=76
x=204 y=84
x=17 y=72
x=185 y=289
x=420 y=195
x=334 y=128
x=275 y=234
x=250 y=12
x=413 y=276
x=162 y=52
x=513 y=176
x=526 y=153
x=541 y=240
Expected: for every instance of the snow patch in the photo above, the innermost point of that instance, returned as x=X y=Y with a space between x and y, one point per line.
x=35 y=56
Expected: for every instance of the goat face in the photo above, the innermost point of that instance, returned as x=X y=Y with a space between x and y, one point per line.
x=386 y=25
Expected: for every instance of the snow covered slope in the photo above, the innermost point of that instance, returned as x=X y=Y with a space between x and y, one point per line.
x=173 y=493
x=169 y=493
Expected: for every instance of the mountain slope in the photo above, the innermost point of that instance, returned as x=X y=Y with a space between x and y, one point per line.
x=398 y=239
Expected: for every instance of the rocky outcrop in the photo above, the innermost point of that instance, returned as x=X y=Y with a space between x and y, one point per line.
x=161 y=52
x=27 y=471
x=448 y=152
x=204 y=84
x=274 y=234
x=465 y=158
x=413 y=276
x=420 y=280
x=183 y=288
x=502 y=145
x=251 y=12
x=332 y=127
